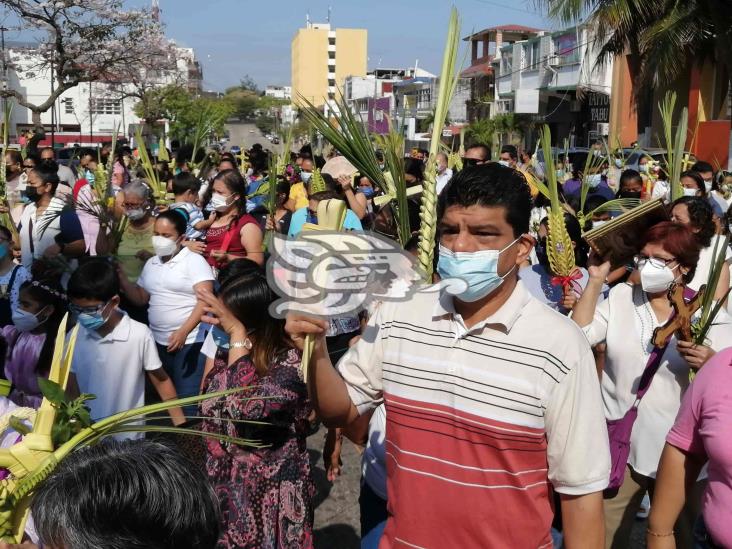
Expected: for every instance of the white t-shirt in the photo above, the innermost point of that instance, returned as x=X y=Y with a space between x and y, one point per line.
x=37 y=234
x=625 y=321
x=373 y=463
x=442 y=180
x=706 y=257
x=172 y=294
x=113 y=367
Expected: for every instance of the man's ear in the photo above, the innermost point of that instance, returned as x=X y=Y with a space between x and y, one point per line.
x=525 y=244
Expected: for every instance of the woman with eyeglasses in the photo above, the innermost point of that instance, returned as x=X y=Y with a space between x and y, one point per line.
x=625 y=321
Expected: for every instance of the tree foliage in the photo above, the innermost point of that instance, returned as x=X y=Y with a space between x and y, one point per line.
x=663 y=36
x=84 y=41
x=183 y=110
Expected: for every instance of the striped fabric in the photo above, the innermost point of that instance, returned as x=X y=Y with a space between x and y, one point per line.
x=481 y=422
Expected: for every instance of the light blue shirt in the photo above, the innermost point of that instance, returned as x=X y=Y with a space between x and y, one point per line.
x=299 y=217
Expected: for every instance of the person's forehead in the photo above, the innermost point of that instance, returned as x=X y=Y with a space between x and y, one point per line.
x=474 y=153
x=476 y=215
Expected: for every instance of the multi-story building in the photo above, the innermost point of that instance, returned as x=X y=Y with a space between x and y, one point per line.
x=279 y=92
x=361 y=91
x=485 y=48
x=322 y=58
x=556 y=77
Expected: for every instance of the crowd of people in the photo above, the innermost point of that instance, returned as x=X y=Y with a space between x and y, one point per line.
x=482 y=418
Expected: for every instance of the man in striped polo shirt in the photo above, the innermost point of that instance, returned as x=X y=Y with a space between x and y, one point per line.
x=492 y=400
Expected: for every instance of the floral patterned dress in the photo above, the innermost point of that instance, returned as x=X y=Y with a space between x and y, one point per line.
x=265 y=494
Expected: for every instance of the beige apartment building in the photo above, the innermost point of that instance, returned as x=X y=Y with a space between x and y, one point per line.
x=322 y=58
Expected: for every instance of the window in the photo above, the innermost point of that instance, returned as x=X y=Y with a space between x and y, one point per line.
x=566 y=48
x=331 y=95
x=531 y=56
x=68 y=105
x=506 y=63
x=331 y=55
x=331 y=83
x=106 y=105
x=331 y=41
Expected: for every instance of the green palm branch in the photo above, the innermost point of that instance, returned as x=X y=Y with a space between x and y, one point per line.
x=392 y=145
x=428 y=209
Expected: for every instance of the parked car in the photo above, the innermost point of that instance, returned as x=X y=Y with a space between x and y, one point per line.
x=632 y=160
x=275 y=140
x=235 y=149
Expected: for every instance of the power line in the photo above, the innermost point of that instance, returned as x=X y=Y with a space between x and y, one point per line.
x=507 y=7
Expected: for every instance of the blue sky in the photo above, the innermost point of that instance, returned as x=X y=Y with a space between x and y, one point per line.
x=233 y=38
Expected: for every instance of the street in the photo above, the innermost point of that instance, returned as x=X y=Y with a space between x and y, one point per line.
x=246 y=134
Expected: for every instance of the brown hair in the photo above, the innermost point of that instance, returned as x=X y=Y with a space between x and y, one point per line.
x=679 y=241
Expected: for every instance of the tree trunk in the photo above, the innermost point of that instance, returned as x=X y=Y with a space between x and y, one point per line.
x=37 y=124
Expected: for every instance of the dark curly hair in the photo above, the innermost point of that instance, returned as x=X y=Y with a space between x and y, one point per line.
x=700 y=218
x=490 y=185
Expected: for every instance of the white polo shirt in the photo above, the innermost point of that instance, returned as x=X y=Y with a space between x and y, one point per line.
x=113 y=367
x=172 y=295
x=37 y=233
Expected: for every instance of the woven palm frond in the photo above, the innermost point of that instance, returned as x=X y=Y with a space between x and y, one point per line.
x=317 y=183
x=559 y=244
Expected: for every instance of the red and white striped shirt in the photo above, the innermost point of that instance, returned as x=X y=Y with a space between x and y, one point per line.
x=480 y=423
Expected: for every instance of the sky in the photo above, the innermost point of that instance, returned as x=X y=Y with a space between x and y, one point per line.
x=234 y=38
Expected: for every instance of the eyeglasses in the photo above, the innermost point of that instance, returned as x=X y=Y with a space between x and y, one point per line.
x=75 y=309
x=28 y=166
x=657 y=262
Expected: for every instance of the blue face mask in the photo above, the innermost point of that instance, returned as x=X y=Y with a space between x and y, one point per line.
x=91 y=320
x=478 y=269
x=220 y=337
x=4 y=250
x=368 y=192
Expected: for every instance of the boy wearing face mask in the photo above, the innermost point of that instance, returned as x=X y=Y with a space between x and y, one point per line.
x=113 y=353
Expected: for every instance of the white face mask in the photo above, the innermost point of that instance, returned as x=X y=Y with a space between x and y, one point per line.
x=164 y=247
x=594 y=180
x=708 y=184
x=26 y=321
x=654 y=278
x=219 y=202
x=504 y=163
x=305 y=176
x=690 y=192
x=599 y=223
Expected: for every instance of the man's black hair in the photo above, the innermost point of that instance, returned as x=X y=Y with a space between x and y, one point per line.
x=486 y=150
x=185 y=181
x=701 y=167
x=47 y=170
x=490 y=185
x=511 y=150
x=126 y=495
x=95 y=278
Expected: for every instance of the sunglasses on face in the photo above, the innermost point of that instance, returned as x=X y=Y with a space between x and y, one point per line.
x=470 y=162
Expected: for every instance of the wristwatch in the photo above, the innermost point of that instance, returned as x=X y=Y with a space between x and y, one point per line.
x=246 y=344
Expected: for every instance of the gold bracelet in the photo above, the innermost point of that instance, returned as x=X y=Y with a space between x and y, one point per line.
x=657 y=535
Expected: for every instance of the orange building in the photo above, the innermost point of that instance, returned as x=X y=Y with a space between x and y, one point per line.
x=703 y=89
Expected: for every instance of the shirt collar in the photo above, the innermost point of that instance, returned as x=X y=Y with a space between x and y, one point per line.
x=505 y=317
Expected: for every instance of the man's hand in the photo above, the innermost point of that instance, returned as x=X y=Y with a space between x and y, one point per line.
x=598 y=273
x=298 y=327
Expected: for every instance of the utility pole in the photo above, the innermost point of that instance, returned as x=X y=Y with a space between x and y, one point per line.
x=53 y=108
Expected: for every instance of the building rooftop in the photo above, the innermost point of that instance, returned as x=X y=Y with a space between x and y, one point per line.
x=520 y=29
x=481 y=69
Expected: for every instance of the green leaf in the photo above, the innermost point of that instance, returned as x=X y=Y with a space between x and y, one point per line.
x=52 y=391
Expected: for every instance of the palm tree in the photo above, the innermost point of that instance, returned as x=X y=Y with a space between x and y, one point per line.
x=662 y=36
